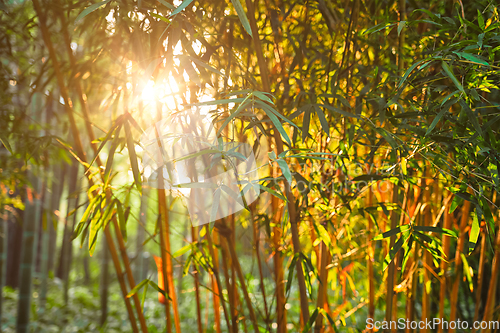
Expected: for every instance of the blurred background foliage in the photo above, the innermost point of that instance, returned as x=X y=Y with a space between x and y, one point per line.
x=375 y=124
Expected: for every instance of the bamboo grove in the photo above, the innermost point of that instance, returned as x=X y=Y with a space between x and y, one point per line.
x=374 y=124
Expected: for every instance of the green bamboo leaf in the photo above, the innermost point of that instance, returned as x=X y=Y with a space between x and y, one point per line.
x=204 y=65
x=401 y=25
x=215 y=204
x=370 y=177
x=166 y=4
x=392 y=232
x=164 y=19
x=277 y=125
x=475 y=229
x=5 y=142
x=90 y=9
x=138 y=287
x=435 y=121
x=322 y=119
x=122 y=219
x=219 y=102
x=104 y=141
x=436 y=229
x=182 y=250
x=342 y=112
x=311 y=321
x=263 y=97
x=196 y=185
x=242 y=16
x=285 y=169
x=472 y=117
x=471 y=57
x=408 y=72
x=94 y=231
x=183 y=5
x=266 y=107
x=467 y=271
x=133 y=156
x=273 y=192
x=187 y=265
x=480 y=20
x=84 y=220
x=388 y=137
x=240 y=108
x=305 y=124
x=111 y=154
x=161 y=291
x=449 y=72
x=378 y=27
x=291 y=269
x=395 y=249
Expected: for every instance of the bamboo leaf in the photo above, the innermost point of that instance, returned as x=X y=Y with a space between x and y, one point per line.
x=161 y=291
x=308 y=327
x=471 y=57
x=285 y=169
x=164 y=19
x=395 y=249
x=342 y=112
x=183 y=5
x=322 y=120
x=392 y=232
x=133 y=157
x=242 y=16
x=273 y=192
x=291 y=269
x=138 y=287
x=182 y=250
x=449 y=72
x=475 y=229
x=122 y=219
x=472 y=117
x=5 y=142
x=277 y=125
x=215 y=205
x=435 y=121
x=436 y=229
x=90 y=9
x=111 y=155
x=408 y=72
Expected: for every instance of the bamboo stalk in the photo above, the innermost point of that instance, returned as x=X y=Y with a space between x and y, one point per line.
x=458 y=262
x=119 y=275
x=480 y=277
x=128 y=270
x=371 y=278
x=194 y=234
x=318 y=326
x=427 y=221
x=226 y=262
x=279 y=274
x=444 y=263
x=30 y=225
x=279 y=148
x=217 y=278
x=256 y=238
x=492 y=290
x=391 y=269
x=215 y=286
x=239 y=272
